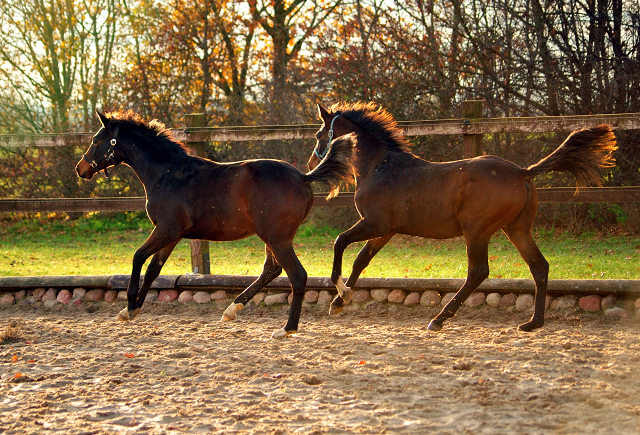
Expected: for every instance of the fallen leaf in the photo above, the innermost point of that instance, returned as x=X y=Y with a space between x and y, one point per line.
x=361 y=363
x=14 y=358
x=17 y=375
x=31 y=361
x=128 y=355
x=493 y=257
x=427 y=267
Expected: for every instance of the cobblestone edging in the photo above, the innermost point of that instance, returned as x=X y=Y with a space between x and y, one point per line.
x=430 y=298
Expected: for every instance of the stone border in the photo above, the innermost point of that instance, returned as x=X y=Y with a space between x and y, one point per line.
x=361 y=297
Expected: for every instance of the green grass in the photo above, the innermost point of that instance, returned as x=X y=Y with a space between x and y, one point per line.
x=103 y=245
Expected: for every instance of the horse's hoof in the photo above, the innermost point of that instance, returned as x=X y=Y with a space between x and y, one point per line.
x=529 y=326
x=230 y=313
x=434 y=326
x=281 y=333
x=335 y=310
x=125 y=315
x=345 y=292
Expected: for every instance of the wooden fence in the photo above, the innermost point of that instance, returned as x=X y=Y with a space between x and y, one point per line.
x=471 y=127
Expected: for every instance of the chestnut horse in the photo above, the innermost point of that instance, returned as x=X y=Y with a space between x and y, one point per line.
x=399 y=193
x=195 y=198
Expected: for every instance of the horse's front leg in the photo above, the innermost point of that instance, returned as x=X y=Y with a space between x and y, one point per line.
x=153 y=244
x=357 y=233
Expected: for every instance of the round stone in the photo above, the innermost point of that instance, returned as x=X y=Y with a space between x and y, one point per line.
x=590 y=303
x=219 y=295
x=168 y=296
x=524 y=302
x=430 y=298
x=279 y=298
x=508 y=300
x=493 y=300
x=564 y=302
x=110 y=296
x=397 y=296
x=311 y=297
x=380 y=294
x=361 y=296
x=412 y=299
x=64 y=296
x=202 y=297
x=446 y=298
x=50 y=295
x=185 y=297
x=258 y=298
x=475 y=300
x=324 y=297
x=95 y=295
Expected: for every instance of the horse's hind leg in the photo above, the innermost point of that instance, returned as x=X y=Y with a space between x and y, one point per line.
x=539 y=267
x=477 y=254
x=270 y=271
x=286 y=257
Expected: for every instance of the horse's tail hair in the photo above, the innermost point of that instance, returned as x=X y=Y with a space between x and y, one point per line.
x=335 y=167
x=582 y=153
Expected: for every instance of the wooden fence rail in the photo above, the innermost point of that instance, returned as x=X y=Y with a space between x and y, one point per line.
x=540 y=124
x=50 y=205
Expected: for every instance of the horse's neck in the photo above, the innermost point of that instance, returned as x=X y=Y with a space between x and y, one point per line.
x=149 y=167
x=368 y=155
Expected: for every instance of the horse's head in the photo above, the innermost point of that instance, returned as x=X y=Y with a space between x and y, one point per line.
x=332 y=127
x=101 y=154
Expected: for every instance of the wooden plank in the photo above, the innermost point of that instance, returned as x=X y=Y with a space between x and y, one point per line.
x=627 y=287
x=344 y=199
x=48 y=205
x=595 y=194
x=539 y=124
x=65 y=281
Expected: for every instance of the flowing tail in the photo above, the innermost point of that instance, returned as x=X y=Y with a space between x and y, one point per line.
x=582 y=153
x=335 y=166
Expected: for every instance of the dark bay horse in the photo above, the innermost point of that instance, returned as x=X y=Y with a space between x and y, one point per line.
x=399 y=193
x=192 y=197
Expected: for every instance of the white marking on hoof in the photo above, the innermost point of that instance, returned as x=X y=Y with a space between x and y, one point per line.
x=281 y=333
x=345 y=292
x=125 y=315
x=230 y=313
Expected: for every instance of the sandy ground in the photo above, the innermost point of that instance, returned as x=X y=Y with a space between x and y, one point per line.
x=176 y=369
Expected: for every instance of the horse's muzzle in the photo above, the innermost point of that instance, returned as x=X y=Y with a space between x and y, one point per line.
x=84 y=170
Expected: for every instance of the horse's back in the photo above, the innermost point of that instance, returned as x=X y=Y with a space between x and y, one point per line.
x=409 y=195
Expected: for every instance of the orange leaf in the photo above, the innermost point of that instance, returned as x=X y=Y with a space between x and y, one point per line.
x=14 y=358
x=128 y=355
x=31 y=361
x=427 y=267
x=361 y=363
x=17 y=375
x=493 y=257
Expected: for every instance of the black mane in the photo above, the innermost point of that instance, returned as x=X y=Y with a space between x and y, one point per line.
x=376 y=121
x=153 y=131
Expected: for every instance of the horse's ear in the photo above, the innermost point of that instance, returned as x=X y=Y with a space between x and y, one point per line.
x=322 y=112
x=103 y=118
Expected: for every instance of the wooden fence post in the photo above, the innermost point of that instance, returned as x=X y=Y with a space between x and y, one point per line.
x=199 y=248
x=472 y=109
